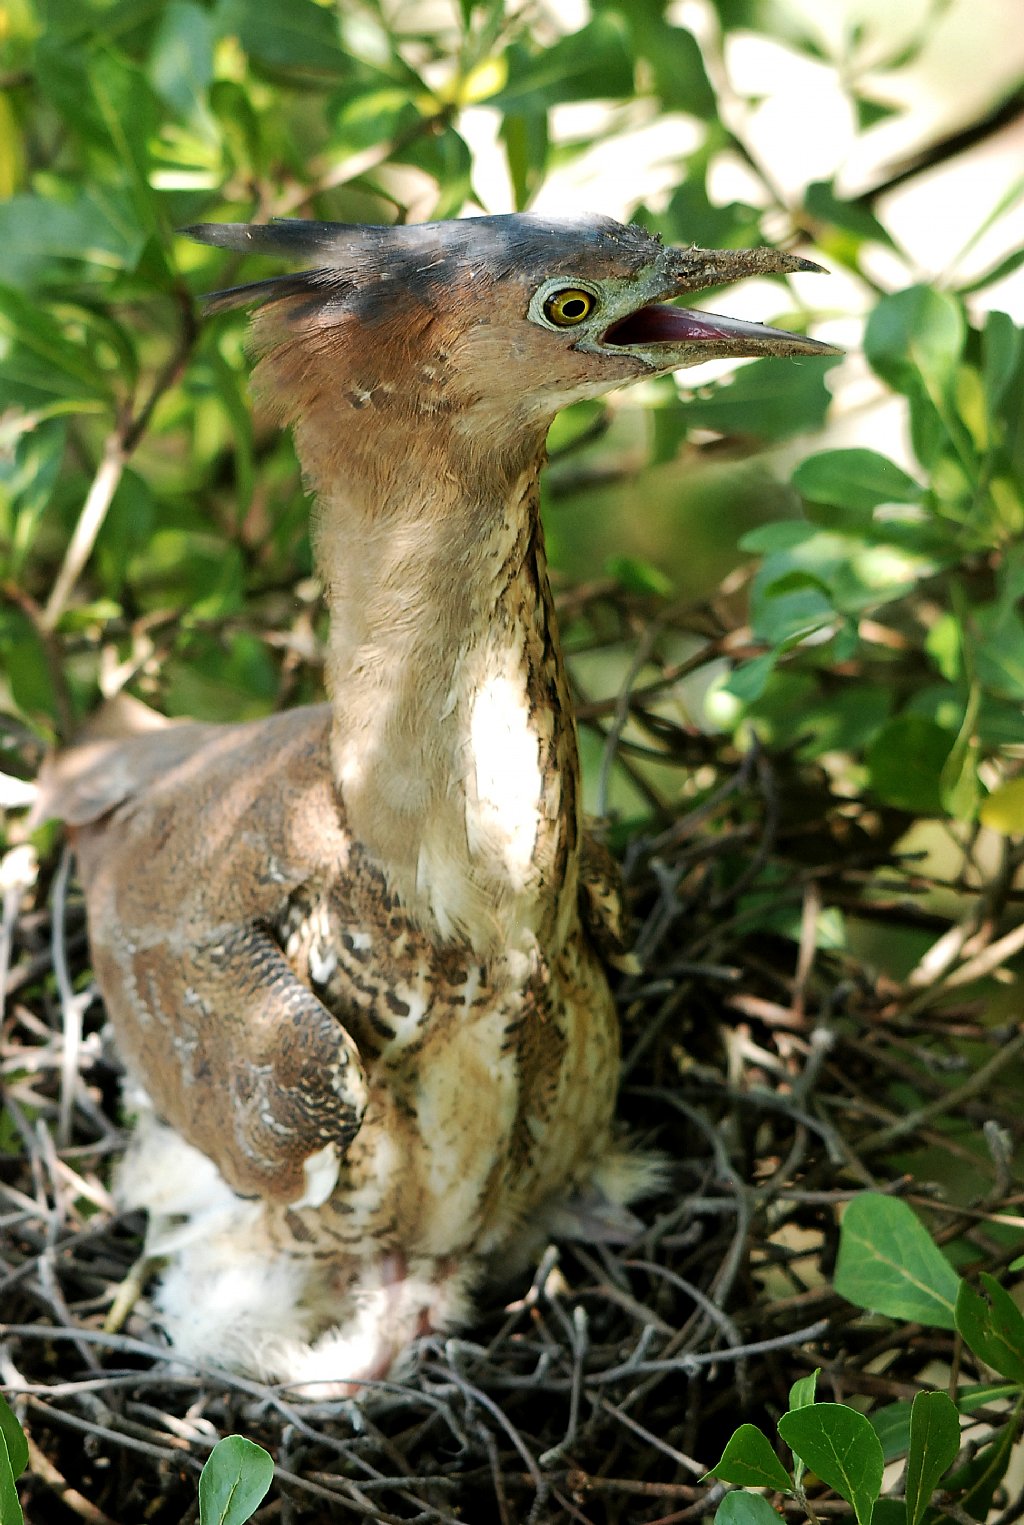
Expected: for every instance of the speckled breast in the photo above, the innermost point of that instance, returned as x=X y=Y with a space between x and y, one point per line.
x=491 y=1084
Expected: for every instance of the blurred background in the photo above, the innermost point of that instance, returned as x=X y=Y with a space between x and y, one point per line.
x=886 y=140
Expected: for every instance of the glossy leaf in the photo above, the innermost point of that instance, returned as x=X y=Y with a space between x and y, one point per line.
x=889 y=1264
x=838 y=1445
x=234 y=1481
x=934 y=1443
x=748 y=1459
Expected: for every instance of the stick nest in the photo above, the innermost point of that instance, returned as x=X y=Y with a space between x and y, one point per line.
x=781 y=1065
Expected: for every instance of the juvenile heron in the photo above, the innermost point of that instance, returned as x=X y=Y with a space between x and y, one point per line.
x=354 y=955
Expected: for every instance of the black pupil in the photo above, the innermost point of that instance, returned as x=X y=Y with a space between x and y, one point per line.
x=575 y=307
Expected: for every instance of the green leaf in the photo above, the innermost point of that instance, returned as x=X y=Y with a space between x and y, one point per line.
x=994 y=1329
x=1001 y=347
x=26 y=678
x=14 y=1435
x=888 y=1263
x=674 y=56
x=889 y=1512
x=906 y=761
x=913 y=336
x=823 y=204
x=10 y=1507
x=934 y=1443
x=801 y=1396
x=301 y=35
x=892 y=1422
x=748 y=1459
x=748 y=681
x=692 y=217
x=593 y=61
x=855 y=479
x=234 y=1481
x=639 y=576
x=764 y=400
x=96 y=224
x=525 y=136
x=745 y=1509
x=28 y=475
x=106 y=100
x=839 y=1446
x=39 y=363
x=181 y=61
x=782 y=535
x=802 y=1392
x=788 y=607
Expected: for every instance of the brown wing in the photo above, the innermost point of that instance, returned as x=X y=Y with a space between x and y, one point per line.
x=190 y=840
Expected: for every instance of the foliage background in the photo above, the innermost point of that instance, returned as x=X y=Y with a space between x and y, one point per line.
x=807 y=575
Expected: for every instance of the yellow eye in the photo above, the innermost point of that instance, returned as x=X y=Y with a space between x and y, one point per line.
x=568 y=307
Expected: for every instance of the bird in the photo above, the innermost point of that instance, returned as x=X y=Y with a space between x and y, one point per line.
x=356 y=955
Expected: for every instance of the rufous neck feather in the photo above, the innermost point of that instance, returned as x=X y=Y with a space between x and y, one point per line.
x=453 y=743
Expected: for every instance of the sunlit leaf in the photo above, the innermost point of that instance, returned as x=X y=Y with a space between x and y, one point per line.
x=1003 y=810
x=856 y=479
x=889 y=1263
x=762 y=401
x=915 y=336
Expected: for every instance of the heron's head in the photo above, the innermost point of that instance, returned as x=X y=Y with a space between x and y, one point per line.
x=487 y=325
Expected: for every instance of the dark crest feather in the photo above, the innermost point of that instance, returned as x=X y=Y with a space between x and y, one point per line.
x=293 y=239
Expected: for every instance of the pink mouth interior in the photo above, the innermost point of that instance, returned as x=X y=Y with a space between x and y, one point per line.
x=663 y=325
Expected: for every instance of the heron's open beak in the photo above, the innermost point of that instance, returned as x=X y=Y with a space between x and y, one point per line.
x=678 y=336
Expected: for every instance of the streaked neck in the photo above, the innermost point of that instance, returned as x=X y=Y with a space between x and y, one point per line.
x=453 y=743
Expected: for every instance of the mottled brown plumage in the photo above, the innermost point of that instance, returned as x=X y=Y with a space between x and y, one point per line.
x=354 y=955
